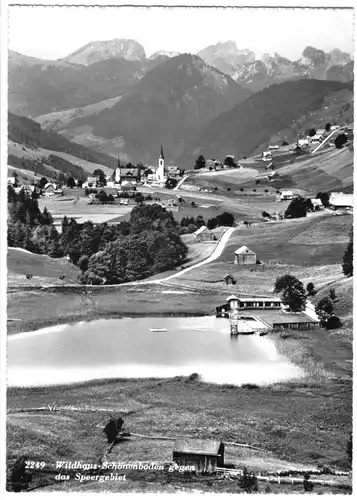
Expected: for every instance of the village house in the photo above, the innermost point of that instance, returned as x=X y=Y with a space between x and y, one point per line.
x=204 y=455
x=245 y=256
x=51 y=189
x=286 y=195
x=341 y=201
x=266 y=156
x=317 y=203
x=203 y=234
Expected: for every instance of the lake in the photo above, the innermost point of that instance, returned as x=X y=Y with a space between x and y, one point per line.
x=126 y=348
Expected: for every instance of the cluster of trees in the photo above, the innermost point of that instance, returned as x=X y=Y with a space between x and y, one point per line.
x=191 y=224
x=149 y=243
x=298 y=207
x=225 y=219
x=28 y=227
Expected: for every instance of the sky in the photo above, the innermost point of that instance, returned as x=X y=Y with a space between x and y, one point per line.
x=54 y=32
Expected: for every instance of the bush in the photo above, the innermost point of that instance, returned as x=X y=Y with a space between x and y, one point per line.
x=248 y=481
x=112 y=428
x=340 y=141
x=332 y=294
x=333 y=322
x=310 y=288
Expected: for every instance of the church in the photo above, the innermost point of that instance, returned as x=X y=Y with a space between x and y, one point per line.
x=159 y=175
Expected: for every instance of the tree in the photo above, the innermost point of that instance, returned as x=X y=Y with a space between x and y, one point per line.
x=310 y=288
x=325 y=313
x=296 y=209
x=99 y=174
x=332 y=294
x=171 y=183
x=294 y=296
x=42 y=183
x=79 y=183
x=229 y=162
x=103 y=198
x=328 y=127
x=110 y=198
x=200 y=162
x=325 y=198
x=266 y=215
x=70 y=182
x=340 y=141
x=312 y=132
x=347 y=262
x=283 y=282
x=83 y=263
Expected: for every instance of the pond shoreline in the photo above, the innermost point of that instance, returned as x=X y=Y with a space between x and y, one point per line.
x=76 y=318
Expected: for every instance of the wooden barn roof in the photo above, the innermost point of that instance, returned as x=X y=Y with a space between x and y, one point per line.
x=244 y=251
x=197 y=446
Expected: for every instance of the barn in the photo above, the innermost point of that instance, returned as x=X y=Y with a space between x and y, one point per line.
x=205 y=455
x=245 y=256
x=203 y=234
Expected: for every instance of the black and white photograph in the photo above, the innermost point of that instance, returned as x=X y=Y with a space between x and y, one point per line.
x=177 y=248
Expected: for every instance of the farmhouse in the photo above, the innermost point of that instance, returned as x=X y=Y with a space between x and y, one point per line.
x=245 y=256
x=203 y=455
x=341 y=201
x=286 y=195
x=203 y=234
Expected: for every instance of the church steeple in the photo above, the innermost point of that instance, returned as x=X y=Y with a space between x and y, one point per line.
x=161 y=153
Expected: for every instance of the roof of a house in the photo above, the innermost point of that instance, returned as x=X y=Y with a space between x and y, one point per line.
x=91 y=179
x=201 y=230
x=253 y=299
x=134 y=172
x=342 y=200
x=316 y=201
x=244 y=251
x=197 y=446
x=259 y=299
x=286 y=193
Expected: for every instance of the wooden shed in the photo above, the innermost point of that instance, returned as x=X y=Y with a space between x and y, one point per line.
x=245 y=256
x=205 y=455
x=203 y=234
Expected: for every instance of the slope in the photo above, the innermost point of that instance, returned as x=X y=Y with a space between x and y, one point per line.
x=21 y=262
x=242 y=129
x=169 y=104
x=42 y=88
x=26 y=132
x=330 y=170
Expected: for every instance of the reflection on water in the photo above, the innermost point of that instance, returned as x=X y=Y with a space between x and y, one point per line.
x=126 y=348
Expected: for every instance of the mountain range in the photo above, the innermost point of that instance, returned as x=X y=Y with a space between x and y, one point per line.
x=112 y=97
x=257 y=74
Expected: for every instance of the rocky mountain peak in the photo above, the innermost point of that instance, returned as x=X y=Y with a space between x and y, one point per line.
x=101 y=50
